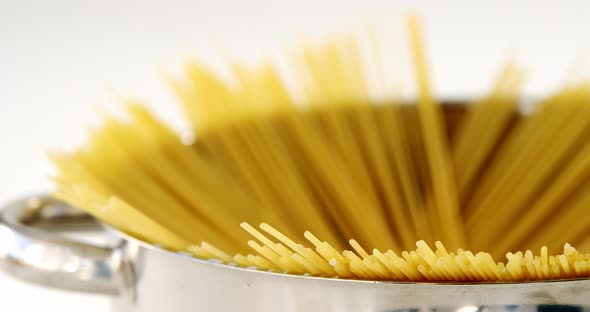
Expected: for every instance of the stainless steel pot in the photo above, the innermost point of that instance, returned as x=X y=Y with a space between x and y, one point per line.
x=142 y=277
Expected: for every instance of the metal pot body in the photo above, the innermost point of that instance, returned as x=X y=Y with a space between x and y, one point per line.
x=171 y=282
x=141 y=277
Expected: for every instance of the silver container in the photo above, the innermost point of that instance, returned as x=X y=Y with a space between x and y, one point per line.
x=141 y=277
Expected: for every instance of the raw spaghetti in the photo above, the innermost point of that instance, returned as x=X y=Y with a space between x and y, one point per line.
x=341 y=165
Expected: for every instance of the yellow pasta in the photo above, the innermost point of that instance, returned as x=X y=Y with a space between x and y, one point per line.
x=337 y=184
x=445 y=201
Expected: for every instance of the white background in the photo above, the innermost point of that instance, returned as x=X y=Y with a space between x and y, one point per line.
x=57 y=58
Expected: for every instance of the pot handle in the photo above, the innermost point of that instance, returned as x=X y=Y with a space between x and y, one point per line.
x=32 y=249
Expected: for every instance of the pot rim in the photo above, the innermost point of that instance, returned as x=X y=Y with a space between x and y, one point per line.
x=223 y=265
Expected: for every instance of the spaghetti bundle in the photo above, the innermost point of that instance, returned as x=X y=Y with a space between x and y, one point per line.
x=375 y=187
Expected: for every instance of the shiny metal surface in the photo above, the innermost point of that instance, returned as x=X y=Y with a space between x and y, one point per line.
x=32 y=253
x=141 y=277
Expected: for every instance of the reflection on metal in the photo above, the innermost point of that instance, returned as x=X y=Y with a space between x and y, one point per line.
x=146 y=278
x=35 y=255
x=502 y=308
